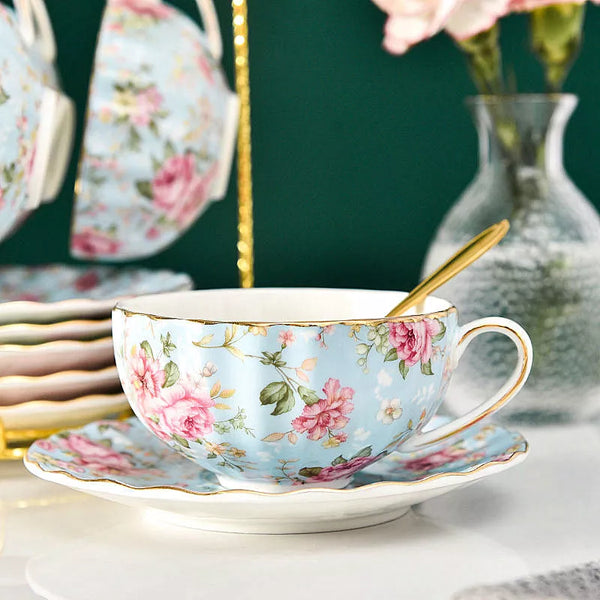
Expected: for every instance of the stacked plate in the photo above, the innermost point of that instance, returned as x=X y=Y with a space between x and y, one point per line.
x=56 y=354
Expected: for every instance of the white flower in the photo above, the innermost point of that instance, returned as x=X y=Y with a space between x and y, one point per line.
x=361 y=434
x=384 y=378
x=389 y=411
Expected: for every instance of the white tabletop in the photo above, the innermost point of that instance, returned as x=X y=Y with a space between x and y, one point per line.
x=539 y=516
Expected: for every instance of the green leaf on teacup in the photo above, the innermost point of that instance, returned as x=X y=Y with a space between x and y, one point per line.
x=441 y=334
x=222 y=427
x=310 y=471
x=340 y=460
x=426 y=368
x=403 y=369
x=4 y=97
x=134 y=139
x=285 y=405
x=171 y=374
x=9 y=172
x=167 y=344
x=308 y=396
x=144 y=188
x=170 y=151
x=391 y=356
x=274 y=392
x=147 y=348
x=181 y=441
x=153 y=127
x=366 y=451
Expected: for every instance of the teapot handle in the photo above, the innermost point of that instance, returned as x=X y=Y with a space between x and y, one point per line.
x=211 y=27
x=36 y=28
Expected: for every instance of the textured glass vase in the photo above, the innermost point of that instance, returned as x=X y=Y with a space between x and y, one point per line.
x=545 y=274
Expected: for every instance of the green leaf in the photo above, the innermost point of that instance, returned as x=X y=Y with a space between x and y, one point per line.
x=363 y=349
x=145 y=189
x=273 y=393
x=170 y=151
x=4 y=97
x=181 y=441
x=134 y=139
x=147 y=348
x=171 y=374
x=153 y=128
x=308 y=396
x=156 y=164
x=392 y=355
x=9 y=173
x=340 y=460
x=367 y=451
x=426 y=368
x=310 y=471
x=222 y=427
x=438 y=336
x=167 y=344
x=403 y=369
x=285 y=405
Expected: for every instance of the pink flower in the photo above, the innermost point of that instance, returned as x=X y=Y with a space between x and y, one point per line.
x=87 y=281
x=45 y=445
x=147 y=379
x=327 y=414
x=186 y=411
x=147 y=103
x=91 y=242
x=144 y=8
x=413 y=340
x=412 y=21
x=95 y=456
x=435 y=460
x=343 y=470
x=179 y=191
x=287 y=338
x=152 y=233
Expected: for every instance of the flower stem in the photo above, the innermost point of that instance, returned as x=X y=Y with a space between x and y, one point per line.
x=556 y=33
x=485 y=60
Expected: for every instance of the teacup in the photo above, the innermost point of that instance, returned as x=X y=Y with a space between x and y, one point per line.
x=36 y=119
x=160 y=132
x=273 y=389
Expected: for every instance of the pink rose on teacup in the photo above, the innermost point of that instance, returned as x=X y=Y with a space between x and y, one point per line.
x=147 y=378
x=178 y=190
x=186 y=411
x=413 y=341
x=144 y=8
x=91 y=242
x=343 y=469
x=327 y=414
x=147 y=103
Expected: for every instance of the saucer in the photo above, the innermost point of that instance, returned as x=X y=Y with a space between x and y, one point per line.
x=121 y=461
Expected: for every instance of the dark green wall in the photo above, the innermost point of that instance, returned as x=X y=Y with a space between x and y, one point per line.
x=357 y=154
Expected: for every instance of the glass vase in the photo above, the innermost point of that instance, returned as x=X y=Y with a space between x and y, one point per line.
x=545 y=274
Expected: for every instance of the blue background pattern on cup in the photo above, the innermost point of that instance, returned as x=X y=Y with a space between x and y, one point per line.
x=23 y=76
x=124 y=452
x=157 y=116
x=240 y=378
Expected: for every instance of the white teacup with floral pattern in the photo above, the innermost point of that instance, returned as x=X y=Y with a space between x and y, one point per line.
x=160 y=131
x=275 y=389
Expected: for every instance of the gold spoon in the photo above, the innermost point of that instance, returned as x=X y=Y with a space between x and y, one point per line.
x=468 y=254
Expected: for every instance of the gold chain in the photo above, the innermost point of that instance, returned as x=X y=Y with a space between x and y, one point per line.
x=245 y=244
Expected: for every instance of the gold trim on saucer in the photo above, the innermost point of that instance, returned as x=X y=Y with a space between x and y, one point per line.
x=517 y=454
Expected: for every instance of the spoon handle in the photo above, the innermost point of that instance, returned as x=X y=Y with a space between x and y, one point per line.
x=468 y=254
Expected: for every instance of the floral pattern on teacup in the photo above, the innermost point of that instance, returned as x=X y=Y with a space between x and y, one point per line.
x=22 y=80
x=153 y=147
x=274 y=402
x=126 y=453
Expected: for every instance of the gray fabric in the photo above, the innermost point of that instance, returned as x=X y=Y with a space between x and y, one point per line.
x=578 y=583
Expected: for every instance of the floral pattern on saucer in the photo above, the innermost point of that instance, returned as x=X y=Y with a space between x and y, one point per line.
x=124 y=452
x=53 y=283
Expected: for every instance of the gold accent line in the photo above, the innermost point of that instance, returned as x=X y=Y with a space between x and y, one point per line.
x=245 y=243
x=506 y=396
x=378 y=321
x=516 y=454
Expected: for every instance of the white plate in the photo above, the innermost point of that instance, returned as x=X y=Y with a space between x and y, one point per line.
x=123 y=462
x=54 y=357
x=52 y=293
x=26 y=333
x=58 y=386
x=47 y=415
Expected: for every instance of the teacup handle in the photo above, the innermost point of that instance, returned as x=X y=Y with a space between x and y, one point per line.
x=466 y=334
x=36 y=28
x=211 y=27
